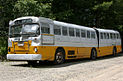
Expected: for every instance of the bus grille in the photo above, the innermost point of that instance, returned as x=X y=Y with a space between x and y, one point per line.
x=21 y=46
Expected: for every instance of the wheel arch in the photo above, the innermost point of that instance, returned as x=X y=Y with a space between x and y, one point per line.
x=62 y=49
x=57 y=50
x=93 y=48
x=114 y=47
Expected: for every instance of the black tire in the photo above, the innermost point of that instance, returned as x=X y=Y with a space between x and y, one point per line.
x=59 y=56
x=93 y=54
x=32 y=62
x=114 y=51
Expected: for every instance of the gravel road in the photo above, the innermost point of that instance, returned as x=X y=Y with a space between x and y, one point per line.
x=103 y=69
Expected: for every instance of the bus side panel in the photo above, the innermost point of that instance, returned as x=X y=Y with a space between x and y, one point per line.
x=119 y=48
x=79 y=52
x=82 y=51
x=70 y=52
x=48 y=52
x=106 y=50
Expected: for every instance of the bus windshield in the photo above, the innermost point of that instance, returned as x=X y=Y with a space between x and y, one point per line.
x=27 y=29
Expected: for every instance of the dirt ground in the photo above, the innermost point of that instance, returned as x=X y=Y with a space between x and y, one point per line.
x=107 y=68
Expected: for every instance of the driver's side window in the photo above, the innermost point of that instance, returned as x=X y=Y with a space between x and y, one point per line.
x=45 y=28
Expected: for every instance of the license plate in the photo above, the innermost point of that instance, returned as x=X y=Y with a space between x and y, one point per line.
x=20 y=43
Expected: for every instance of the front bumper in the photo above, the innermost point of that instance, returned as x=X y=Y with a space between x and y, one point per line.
x=24 y=57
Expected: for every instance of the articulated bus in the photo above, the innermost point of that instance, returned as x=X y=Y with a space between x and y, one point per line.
x=35 y=39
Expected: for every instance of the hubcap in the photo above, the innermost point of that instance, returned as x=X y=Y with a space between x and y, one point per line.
x=94 y=54
x=59 y=57
x=114 y=52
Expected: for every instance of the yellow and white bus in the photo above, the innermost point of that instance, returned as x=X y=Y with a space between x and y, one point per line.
x=42 y=39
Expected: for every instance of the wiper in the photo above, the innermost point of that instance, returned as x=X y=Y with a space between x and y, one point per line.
x=26 y=33
x=14 y=35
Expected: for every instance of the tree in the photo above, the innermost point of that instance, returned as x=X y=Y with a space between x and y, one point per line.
x=6 y=13
x=102 y=14
x=73 y=11
x=31 y=8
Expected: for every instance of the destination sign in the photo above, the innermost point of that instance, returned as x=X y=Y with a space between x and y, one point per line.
x=23 y=21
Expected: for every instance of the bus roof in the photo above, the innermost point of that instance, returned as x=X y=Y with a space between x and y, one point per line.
x=72 y=25
x=47 y=20
x=107 y=30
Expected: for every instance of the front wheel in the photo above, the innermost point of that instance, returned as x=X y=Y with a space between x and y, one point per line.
x=93 y=54
x=32 y=62
x=59 y=57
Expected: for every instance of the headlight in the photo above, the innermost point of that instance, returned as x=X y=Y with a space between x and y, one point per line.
x=35 y=49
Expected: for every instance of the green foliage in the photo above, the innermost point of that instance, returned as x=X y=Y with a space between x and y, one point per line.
x=28 y=7
x=3 y=47
x=103 y=12
x=31 y=8
x=103 y=6
x=73 y=11
x=118 y=10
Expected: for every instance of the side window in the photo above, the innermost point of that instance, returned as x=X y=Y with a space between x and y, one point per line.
x=64 y=31
x=118 y=36
x=57 y=30
x=83 y=33
x=77 y=33
x=114 y=36
x=71 y=31
x=93 y=34
x=101 y=35
x=45 y=28
x=110 y=35
x=107 y=35
x=88 y=34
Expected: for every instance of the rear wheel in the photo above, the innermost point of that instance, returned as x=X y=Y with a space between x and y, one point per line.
x=59 y=57
x=93 y=54
x=114 y=52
